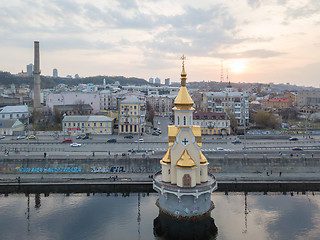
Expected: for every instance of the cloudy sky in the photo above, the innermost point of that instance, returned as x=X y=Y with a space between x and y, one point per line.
x=259 y=40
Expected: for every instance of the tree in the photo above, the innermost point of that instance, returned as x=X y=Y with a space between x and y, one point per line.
x=266 y=119
x=233 y=121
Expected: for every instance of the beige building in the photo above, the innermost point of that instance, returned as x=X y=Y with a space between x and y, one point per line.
x=93 y=124
x=212 y=123
x=10 y=126
x=132 y=111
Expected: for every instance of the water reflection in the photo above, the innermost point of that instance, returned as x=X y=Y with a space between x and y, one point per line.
x=166 y=228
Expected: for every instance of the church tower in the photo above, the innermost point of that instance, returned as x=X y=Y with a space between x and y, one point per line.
x=184 y=174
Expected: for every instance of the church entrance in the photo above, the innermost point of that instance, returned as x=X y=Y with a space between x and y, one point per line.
x=186 y=180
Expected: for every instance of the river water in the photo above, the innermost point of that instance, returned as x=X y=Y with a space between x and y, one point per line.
x=135 y=216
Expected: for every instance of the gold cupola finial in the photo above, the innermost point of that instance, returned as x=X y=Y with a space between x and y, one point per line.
x=183 y=73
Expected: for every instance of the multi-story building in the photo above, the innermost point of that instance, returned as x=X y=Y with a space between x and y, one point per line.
x=108 y=100
x=30 y=69
x=132 y=111
x=212 y=123
x=93 y=124
x=151 y=80
x=157 y=81
x=69 y=98
x=308 y=98
x=167 y=82
x=55 y=73
x=292 y=96
x=235 y=103
x=278 y=102
x=161 y=104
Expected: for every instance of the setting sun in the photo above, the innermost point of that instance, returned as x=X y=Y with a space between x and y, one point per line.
x=237 y=66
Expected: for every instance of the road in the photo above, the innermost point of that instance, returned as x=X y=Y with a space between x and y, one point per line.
x=160 y=143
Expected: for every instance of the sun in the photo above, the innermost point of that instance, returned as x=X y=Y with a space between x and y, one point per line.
x=237 y=66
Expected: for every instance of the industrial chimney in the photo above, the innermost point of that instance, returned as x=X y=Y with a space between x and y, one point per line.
x=36 y=74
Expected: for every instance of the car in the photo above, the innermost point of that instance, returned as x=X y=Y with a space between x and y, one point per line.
x=293 y=139
x=155 y=133
x=220 y=149
x=75 y=145
x=2 y=136
x=237 y=141
x=85 y=137
x=32 y=137
x=140 y=140
x=67 y=141
x=158 y=122
x=297 y=149
x=21 y=137
x=78 y=137
x=112 y=140
x=128 y=136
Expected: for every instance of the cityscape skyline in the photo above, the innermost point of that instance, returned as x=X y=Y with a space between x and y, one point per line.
x=258 y=41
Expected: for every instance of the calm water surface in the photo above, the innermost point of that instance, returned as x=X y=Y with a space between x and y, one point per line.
x=135 y=216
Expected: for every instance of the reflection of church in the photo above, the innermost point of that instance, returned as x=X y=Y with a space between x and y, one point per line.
x=165 y=227
x=184 y=184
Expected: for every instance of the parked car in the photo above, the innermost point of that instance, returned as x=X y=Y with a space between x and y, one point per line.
x=67 y=141
x=2 y=136
x=21 y=137
x=32 y=137
x=128 y=136
x=293 y=139
x=112 y=140
x=78 y=137
x=140 y=140
x=155 y=133
x=297 y=149
x=220 y=149
x=75 y=145
x=237 y=141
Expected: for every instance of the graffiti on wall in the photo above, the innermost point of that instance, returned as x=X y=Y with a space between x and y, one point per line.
x=112 y=169
x=50 y=170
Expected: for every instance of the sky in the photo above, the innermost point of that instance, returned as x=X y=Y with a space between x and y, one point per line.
x=261 y=41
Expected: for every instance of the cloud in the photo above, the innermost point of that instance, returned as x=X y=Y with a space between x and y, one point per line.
x=255 y=53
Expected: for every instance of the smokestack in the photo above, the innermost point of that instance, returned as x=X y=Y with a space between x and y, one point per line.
x=36 y=74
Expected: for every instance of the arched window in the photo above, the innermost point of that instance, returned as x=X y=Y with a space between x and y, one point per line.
x=190 y=120
x=184 y=121
x=178 y=120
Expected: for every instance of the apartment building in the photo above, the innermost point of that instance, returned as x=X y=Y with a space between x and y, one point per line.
x=132 y=111
x=161 y=104
x=236 y=103
x=212 y=123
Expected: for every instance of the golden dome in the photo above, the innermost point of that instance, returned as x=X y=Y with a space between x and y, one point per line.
x=183 y=101
x=166 y=160
x=203 y=159
x=186 y=161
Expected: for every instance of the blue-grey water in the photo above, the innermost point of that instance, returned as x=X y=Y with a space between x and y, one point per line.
x=135 y=216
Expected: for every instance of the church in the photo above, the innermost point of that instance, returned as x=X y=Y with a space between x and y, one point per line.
x=184 y=184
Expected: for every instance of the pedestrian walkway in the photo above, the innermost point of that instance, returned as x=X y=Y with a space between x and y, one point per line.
x=147 y=177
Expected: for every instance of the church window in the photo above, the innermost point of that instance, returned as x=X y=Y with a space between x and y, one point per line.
x=190 y=120
x=178 y=120
x=184 y=121
x=169 y=171
x=200 y=172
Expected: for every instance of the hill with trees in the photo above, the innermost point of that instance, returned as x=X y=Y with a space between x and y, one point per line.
x=6 y=79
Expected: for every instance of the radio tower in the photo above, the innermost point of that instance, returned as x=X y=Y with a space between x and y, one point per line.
x=221 y=73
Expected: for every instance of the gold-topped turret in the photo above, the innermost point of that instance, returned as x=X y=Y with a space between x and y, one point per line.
x=183 y=101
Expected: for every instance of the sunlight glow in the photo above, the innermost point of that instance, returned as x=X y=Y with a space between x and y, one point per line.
x=237 y=66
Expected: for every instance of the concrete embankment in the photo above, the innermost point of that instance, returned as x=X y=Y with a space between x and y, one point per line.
x=139 y=182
